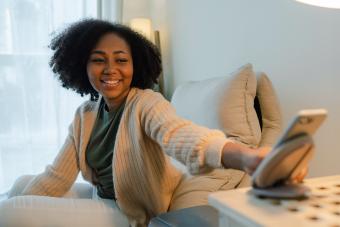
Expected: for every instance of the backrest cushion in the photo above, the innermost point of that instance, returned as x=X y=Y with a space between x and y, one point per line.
x=270 y=110
x=225 y=103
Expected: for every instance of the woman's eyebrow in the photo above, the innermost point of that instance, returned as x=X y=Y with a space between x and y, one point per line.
x=97 y=52
x=119 y=52
x=102 y=52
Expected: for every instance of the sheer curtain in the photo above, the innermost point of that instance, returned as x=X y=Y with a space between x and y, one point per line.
x=35 y=111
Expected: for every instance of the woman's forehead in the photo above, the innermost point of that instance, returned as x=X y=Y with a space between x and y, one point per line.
x=113 y=42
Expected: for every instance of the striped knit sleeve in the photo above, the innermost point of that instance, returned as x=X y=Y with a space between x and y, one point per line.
x=57 y=178
x=195 y=146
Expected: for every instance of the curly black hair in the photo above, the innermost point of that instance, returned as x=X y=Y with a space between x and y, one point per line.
x=72 y=48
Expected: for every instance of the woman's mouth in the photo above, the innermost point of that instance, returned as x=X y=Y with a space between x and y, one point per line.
x=110 y=82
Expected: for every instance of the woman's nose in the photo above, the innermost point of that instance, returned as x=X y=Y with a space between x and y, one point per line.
x=109 y=69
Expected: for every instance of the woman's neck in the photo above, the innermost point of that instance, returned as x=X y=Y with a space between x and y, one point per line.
x=114 y=103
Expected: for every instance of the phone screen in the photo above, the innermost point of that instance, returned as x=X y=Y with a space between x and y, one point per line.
x=305 y=122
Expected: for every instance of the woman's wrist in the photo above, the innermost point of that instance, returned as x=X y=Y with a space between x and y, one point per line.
x=233 y=155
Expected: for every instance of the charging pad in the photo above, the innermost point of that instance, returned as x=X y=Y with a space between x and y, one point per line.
x=283 y=191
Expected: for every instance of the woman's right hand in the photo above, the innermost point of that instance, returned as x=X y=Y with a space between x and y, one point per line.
x=253 y=158
x=238 y=156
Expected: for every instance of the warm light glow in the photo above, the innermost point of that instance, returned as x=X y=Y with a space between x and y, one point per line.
x=323 y=3
x=143 y=26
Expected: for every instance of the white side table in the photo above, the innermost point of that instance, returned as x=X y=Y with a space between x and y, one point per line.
x=240 y=208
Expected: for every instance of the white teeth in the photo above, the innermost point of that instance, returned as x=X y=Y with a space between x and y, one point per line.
x=111 y=82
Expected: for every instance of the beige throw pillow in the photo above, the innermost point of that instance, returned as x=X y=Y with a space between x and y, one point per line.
x=225 y=103
x=270 y=110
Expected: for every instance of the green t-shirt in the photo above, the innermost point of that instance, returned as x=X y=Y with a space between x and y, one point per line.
x=99 y=151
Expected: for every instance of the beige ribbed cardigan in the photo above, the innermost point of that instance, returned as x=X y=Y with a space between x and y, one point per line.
x=144 y=179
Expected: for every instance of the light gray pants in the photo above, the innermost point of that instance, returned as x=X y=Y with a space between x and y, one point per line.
x=79 y=207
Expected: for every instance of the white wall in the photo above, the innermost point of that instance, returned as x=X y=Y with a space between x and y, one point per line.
x=157 y=11
x=295 y=44
x=134 y=9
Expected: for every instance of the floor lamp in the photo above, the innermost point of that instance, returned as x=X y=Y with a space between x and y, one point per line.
x=144 y=26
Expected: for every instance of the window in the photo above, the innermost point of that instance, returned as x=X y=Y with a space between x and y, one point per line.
x=35 y=110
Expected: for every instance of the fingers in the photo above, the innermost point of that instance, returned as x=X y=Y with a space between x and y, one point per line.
x=263 y=151
x=301 y=175
x=254 y=158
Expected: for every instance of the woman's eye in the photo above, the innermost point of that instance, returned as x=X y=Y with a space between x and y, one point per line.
x=97 y=60
x=122 y=60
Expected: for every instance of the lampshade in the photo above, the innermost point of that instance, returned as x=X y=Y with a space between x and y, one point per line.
x=323 y=3
x=143 y=26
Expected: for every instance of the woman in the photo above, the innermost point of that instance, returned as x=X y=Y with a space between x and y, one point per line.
x=120 y=140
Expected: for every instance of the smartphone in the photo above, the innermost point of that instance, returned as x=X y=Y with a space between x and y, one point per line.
x=292 y=152
x=305 y=122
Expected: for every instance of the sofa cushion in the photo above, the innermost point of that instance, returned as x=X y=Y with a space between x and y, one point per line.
x=193 y=190
x=225 y=103
x=270 y=110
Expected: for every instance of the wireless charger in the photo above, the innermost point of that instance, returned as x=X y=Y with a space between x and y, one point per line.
x=283 y=191
x=274 y=176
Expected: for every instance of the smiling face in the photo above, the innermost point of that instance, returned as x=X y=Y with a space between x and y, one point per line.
x=110 y=69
